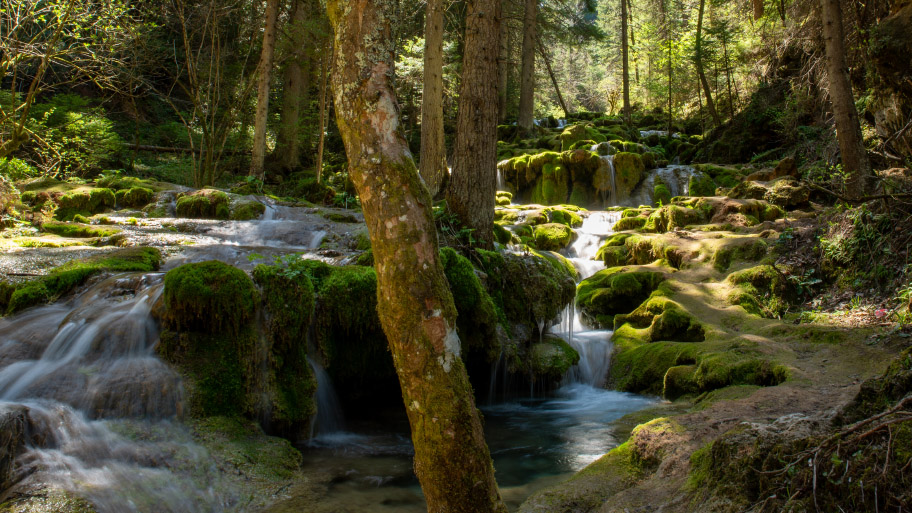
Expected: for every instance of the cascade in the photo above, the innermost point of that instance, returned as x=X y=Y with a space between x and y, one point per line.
x=675 y=177
x=606 y=181
x=329 y=417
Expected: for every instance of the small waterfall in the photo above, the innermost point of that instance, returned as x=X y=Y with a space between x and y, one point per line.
x=606 y=180
x=329 y=414
x=676 y=178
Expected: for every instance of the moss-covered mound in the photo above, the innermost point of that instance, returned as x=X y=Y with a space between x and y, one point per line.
x=247 y=210
x=477 y=317
x=77 y=230
x=552 y=358
x=529 y=288
x=761 y=290
x=204 y=204
x=135 y=197
x=614 y=291
x=233 y=368
x=84 y=202
x=629 y=169
x=660 y=318
x=552 y=236
x=553 y=178
x=669 y=217
x=64 y=279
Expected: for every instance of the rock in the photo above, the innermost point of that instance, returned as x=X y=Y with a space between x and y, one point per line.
x=13 y=425
x=552 y=358
x=628 y=169
x=614 y=291
x=786 y=167
x=579 y=132
x=663 y=319
x=788 y=194
x=204 y=204
x=552 y=236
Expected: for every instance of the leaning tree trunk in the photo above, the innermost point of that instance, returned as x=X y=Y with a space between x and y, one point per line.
x=848 y=129
x=258 y=154
x=625 y=61
x=473 y=185
x=414 y=302
x=699 y=61
x=433 y=166
x=527 y=79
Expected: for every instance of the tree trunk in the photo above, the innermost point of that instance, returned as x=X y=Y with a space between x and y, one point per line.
x=415 y=306
x=848 y=130
x=710 y=106
x=626 y=62
x=258 y=153
x=295 y=86
x=506 y=37
x=560 y=97
x=433 y=166
x=325 y=64
x=527 y=84
x=728 y=80
x=473 y=184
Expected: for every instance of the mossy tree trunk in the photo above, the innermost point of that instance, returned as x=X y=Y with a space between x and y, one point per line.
x=433 y=166
x=258 y=154
x=473 y=185
x=415 y=306
x=848 y=130
x=527 y=79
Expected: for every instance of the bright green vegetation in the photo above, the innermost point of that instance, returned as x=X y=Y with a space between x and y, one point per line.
x=66 y=278
x=204 y=204
x=614 y=291
x=84 y=203
x=77 y=229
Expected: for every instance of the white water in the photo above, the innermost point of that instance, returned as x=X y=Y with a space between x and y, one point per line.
x=676 y=178
x=329 y=420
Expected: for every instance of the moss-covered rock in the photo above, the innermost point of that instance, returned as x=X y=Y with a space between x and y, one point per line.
x=552 y=236
x=701 y=184
x=477 y=317
x=204 y=204
x=77 y=230
x=64 y=279
x=614 y=291
x=86 y=203
x=209 y=297
x=660 y=318
x=136 y=197
x=573 y=134
x=528 y=288
x=761 y=290
x=629 y=170
x=552 y=358
x=669 y=217
x=247 y=210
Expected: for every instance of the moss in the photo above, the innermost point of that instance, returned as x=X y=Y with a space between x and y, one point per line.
x=477 y=315
x=629 y=170
x=289 y=299
x=247 y=210
x=629 y=223
x=669 y=217
x=137 y=197
x=502 y=235
x=204 y=204
x=701 y=185
x=761 y=290
x=638 y=367
x=552 y=236
x=209 y=297
x=563 y=215
x=660 y=318
x=880 y=393
x=366 y=258
x=67 y=277
x=85 y=203
x=552 y=358
x=115 y=182
x=613 y=291
x=528 y=288
x=77 y=230
x=660 y=193
x=339 y=217
x=752 y=250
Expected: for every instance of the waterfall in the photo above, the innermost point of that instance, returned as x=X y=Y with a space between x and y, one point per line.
x=675 y=177
x=606 y=180
x=329 y=417
x=593 y=346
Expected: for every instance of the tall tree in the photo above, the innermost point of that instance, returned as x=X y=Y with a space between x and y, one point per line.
x=433 y=166
x=527 y=76
x=415 y=306
x=296 y=79
x=474 y=181
x=626 y=61
x=258 y=154
x=848 y=130
x=710 y=105
x=506 y=37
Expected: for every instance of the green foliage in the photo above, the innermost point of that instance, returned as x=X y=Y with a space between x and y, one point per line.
x=16 y=169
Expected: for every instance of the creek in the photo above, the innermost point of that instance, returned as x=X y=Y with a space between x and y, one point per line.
x=103 y=406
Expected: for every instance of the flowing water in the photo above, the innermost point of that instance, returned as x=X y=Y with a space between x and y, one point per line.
x=103 y=407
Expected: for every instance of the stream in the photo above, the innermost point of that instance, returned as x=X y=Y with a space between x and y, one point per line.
x=104 y=405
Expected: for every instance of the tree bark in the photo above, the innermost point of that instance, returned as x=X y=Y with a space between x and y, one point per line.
x=848 y=130
x=506 y=36
x=432 y=165
x=710 y=105
x=473 y=184
x=325 y=64
x=560 y=97
x=527 y=79
x=258 y=153
x=295 y=86
x=415 y=306
x=626 y=61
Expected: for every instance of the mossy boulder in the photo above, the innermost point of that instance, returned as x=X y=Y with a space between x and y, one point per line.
x=136 y=197
x=701 y=184
x=65 y=279
x=528 y=288
x=209 y=297
x=580 y=132
x=204 y=204
x=614 y=291
x=629 y=170
x=247 y=210
x=660 y=193
x=670 y=217
x=660 y=318
x=788 y=194
x=477 y=317
x=762 y=290
x=552 y=236
x=552 y=358
x=629 y=223
x=86 y=203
